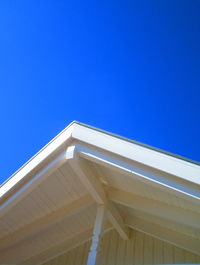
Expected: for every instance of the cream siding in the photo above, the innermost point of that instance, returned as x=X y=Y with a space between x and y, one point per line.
x=140 y=249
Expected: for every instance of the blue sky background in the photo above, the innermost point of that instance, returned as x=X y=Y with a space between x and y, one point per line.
x=129 y=67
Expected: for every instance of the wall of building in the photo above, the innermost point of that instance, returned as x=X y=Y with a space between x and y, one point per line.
x=140 y=249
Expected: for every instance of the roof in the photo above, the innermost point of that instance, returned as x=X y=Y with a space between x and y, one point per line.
x=145 y=188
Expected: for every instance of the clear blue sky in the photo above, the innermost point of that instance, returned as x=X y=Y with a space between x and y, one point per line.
x=129 y=67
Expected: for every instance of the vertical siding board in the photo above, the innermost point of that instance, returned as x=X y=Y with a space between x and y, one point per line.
x=148 y=249
x=101 y=259
x=86 y=252
x=139 y=248
x=65 y=258
x=178 y=255
x=118 y=243
x=71 y=256
x=197 y=259
x=61 y=260
x=79 y=254
x=168 y=253
x=113 y=248
x=120 y=252
x=130 y=249
x=69 y=259
x=189 y=257
x=158 y=251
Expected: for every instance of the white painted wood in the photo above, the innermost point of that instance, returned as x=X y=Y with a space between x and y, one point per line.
x=116 y=220
x=46 y=221
x=148 y=250
x=59 y=249
x=178 y=177
x=60 y=188
x=158 y=251
x=31 y=184
x=38 y=159
x=63 y=247
x=168 y=256
x=94 y=187
x=156 y=208
x=97 y=233
x=176 y=227
x=172 y=165
x=140 y=249
x=165 y=234
x=183 y=188
x=47 y=238
x=120 y=181
x=91 y=183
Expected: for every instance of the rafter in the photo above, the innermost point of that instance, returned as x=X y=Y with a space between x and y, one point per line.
x=62 y=247
x=178 y=186
x=94 y=187
x=164 y=233
x=155 y=207
x=46 y=221
x=59 y=249
x=24 y=190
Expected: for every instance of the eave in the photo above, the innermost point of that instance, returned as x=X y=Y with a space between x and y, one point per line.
x=100 y=162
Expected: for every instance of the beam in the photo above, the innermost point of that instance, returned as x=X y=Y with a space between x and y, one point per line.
x=40 y=160
x=164 y=233
x=95 y=188
x=178 y=186
x=62 y=247
x=97 y=233
x=141 y=153
x=46 y=221
x=31 y=184
x=155 y=207
x=81 y=169
x=59 y=249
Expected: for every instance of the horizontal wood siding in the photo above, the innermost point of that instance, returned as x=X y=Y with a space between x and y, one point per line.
x=140 y=249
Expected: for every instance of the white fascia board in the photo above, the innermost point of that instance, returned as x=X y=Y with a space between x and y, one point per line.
x=32 y=183
x=63 y=138
x=178 y=186
x=155 y=159
x=75 y=131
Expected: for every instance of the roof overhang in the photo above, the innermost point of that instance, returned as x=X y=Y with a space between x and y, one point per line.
x=131 y=179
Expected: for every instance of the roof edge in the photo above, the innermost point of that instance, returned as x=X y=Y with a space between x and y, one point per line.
x=140 y=144
x=105 y=132
x=26 y=163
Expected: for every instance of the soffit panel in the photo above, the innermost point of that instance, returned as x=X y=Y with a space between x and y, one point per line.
x=129 y=212
x=66 y=228
x=114 y=179
x=60 y=188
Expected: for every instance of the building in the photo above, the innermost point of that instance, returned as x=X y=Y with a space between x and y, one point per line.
x=91 y=197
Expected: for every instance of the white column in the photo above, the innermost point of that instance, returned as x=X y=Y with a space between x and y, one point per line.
x=97 y=232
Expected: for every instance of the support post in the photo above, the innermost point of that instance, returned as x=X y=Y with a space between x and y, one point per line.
x=96 y=190
x=97 y=232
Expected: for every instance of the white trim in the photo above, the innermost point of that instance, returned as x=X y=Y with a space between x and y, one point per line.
x=32 y=183
x=183 y=169
x=62 y=247
x=46 y=221
x=38 y=159
x=97 y=233
x=156 y=208
x=163 y=233
x=184 y=188
x=180 y=177
x=95 y=189
x=169 y=164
